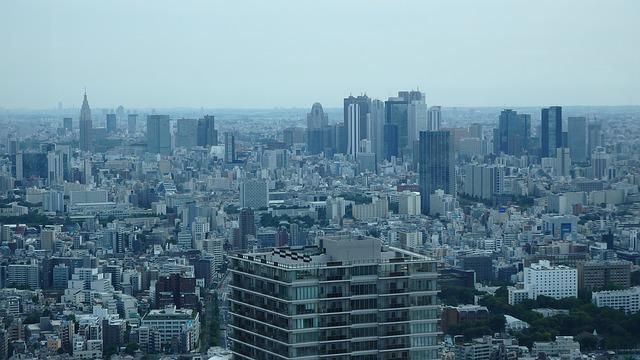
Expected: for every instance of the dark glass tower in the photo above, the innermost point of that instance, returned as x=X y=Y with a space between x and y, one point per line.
x=436 y=165
x=514 y=131
x=207 y=134
x=550 y=131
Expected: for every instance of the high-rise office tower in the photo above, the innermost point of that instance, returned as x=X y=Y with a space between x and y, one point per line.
x=254 y=193
x=67 y=123
x=595 y=136
x=86 y=127
x=229 y=147
x=514 y=132
x=397 y=115
x=476 y=130
x=577 y=138
x=353 y=129
x=320 y=136
x=112 y=124
x=348 y=297
x=436 y=165
x=317 y=118
x=434 y=119
x=293 y=135
x=132 y=123
x=550 y=131
x=563 y=162
x=159 y=134
x=396 y=127
x=376 y=122
x=207 y=133
x=187 y=133
x=600 y=162
x=246 y=223
x=417 y=115
x=363 y=102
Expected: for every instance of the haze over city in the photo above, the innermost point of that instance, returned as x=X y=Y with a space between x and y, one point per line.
x=266 y=54
x=327 y=180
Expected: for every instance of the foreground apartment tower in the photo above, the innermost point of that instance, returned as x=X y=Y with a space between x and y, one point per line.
x=349 y=297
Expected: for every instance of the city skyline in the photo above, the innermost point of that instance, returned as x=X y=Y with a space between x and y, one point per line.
x=497 y=54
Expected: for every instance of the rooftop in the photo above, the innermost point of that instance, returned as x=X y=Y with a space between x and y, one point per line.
x=335 y=251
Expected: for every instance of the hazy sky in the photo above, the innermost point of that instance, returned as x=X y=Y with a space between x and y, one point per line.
x=293 y=53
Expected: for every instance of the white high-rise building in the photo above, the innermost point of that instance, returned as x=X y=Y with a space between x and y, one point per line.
x=434 y=121
x=409 y=203
x=417 y=119
x=376 y=129
x=353 y=129
x=553 y=281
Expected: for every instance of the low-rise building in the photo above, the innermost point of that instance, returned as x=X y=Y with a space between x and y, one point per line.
x=627 y=300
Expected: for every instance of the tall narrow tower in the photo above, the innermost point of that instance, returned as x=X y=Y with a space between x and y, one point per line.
x=86 y=143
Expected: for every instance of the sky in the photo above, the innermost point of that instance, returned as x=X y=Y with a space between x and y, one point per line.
x=277 y=53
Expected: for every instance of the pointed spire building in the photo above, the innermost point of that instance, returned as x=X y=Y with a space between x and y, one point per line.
x=86 y=126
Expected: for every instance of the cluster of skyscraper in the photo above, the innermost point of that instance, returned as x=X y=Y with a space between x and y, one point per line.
x=389 y=129
x=513 y=135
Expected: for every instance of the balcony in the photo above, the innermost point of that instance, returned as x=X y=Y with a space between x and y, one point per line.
x=335 y=295
x=335 y=310
x=336 y=323
x=398 y=273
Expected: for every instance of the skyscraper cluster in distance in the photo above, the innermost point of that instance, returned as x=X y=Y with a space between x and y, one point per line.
x=382 y=229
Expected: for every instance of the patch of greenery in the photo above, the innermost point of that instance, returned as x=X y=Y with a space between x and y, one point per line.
x=614 y=328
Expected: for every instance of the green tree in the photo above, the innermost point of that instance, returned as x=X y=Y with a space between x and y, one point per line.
x=131 y=348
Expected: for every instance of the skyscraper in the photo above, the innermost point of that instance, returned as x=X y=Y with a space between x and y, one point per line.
x=595 y=136
x=514 y=132
x=348 y=297
x=86 y=142
x=417 y=116
x=396 y=117
x=247 y=226
x=159 y=134
x=317 y=118
x=320 y=136
x=376 y=122
x=67 y=123
x=550 y=131
x=404 y=124
x=577 y=138
x=187 y=133
x=363 y=102
x=132 y=125
x=229 y=147
x=436 y=165
x=353 y=129
x=111 y=123
x=207 y=133
x=434 y=120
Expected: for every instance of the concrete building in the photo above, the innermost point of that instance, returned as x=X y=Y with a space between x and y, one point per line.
x=564 y=347
x=23 y=275
x=171 y=323
x=553 y=281
x=627 y=300
x=409 y=203
x=349 y=296
x=597 y=274
x=254 y=194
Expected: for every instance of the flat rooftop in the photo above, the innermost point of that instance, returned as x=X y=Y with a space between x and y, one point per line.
x=336 y=251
